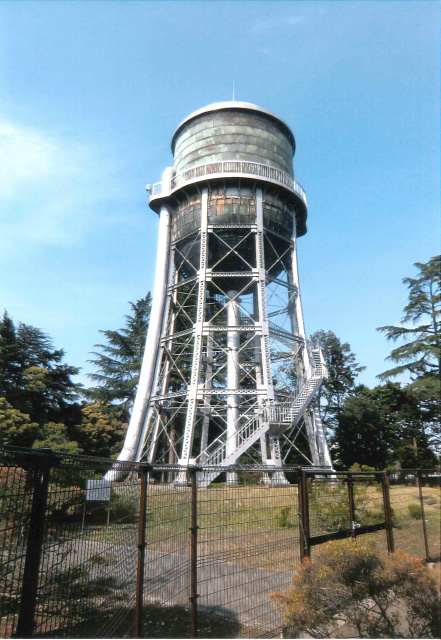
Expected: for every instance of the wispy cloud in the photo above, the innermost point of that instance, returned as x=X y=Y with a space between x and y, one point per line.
x=276 y=22
x=48 y=185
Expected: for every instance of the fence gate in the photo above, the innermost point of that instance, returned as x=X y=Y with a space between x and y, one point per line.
x=335 y=505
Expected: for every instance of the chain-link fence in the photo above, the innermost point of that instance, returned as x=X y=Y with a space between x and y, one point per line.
x=152 y=553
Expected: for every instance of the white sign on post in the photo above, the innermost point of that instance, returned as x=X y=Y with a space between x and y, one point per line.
x=98 y=490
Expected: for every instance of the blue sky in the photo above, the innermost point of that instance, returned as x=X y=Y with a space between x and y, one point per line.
x=91 y=92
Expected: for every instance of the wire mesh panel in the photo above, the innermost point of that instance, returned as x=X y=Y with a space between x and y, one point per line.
x=430 y=496
x=16 y=492
x=341 y=504
x=416 y=512
x=369 y=510
x=80 y=559
x=166 y=612
x=84 y=572
x=328 y=505
x=248 y=547
x=89 y=552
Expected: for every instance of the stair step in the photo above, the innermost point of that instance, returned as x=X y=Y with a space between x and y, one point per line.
x=286 y=414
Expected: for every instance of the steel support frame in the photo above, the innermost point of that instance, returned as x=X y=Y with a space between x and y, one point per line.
x=313 y=427
x=192 y=392
x=186 y=298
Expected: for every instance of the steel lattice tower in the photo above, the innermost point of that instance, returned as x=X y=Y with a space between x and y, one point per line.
x=228 y=374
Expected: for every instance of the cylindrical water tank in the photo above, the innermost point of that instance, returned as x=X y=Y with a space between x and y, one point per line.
x=232 y=148
x=233 y=131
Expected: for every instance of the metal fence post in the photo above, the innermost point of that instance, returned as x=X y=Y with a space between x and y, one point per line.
x=139 y=598
x=351 y=505
x=385 y=484
x=41 y=469
x=193 y=555
x=300 y=513
x=423 y=517
x=305 y=549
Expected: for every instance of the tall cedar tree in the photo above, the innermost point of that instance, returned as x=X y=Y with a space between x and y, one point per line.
x=33 y=379
x=342 y=369
x=420 y=356
x=119 y=362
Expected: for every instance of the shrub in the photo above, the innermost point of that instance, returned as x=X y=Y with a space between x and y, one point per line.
x=329 y=508
x=352 y=583
x=251 y=478
x=283 y=519
x=361 y=467
x=415 y=511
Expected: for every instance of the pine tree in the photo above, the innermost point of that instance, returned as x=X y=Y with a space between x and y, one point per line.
x=33 y=378
x=119 y=362
x=420 y=355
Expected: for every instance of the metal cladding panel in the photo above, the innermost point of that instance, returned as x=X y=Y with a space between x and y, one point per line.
x=232 y=135
x=224 y=208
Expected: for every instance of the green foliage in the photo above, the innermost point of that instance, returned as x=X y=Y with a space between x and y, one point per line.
x=377 y=426
x=352 y=583
x=284 y=518
x=16 y=428
x=361 y=467
x=367 y=430
x=415 y=511
x=55 y=436
x=34 y=382
x=420 y=355
x=342 y=372
x=427 y=394
x=119 y=362
x=100 y=430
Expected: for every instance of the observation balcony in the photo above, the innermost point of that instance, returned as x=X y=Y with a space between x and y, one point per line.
x=227 y=169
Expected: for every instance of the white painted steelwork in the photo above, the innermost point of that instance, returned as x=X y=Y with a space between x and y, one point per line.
x=228 y=375
x=233 y=376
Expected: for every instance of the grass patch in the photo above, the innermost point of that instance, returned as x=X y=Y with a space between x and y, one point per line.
x=415 y=511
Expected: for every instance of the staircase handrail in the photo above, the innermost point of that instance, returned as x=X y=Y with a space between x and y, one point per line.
x=270 y=413
x=237 y=434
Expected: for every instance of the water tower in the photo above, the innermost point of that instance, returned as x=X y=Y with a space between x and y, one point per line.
x=228 y=374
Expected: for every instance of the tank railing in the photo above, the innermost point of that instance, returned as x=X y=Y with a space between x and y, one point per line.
x=244 y=167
